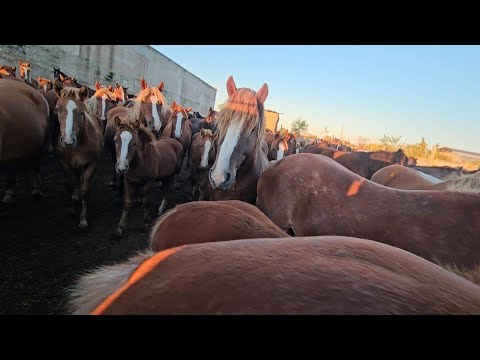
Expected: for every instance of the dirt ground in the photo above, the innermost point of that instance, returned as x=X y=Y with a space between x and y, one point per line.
x=41 y=250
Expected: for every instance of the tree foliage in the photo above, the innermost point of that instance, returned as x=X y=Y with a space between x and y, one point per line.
x=299 y=126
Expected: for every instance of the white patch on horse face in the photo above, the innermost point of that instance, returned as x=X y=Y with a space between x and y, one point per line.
x=45 y=88
x=157 y=124
x=178 y=126
x=69 y=122
x=206 y=151
x=297 y=150
x=281 y=149
x=225 y=152
x=25 y=73
x=104 y=107
x=126 y=138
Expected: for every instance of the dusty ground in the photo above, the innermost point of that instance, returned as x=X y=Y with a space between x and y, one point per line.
x=42 y=252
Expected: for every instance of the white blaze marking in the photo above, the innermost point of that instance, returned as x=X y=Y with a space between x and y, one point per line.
x=69 y=122
x=26 y=74
x=281 y=149
x=104 y=107
x=45 y=88
x=126 y=138
x=225 y=152
x=297 y=150
x=206 y=151
x=178 y=126
x=157 y=124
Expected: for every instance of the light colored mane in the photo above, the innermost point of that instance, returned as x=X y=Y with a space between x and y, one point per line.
x=144 y=95
x=70 y=92
x=91 y=103
x=469 y=183
x=242 y=107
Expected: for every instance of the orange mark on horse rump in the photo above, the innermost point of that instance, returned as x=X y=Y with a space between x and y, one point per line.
x=353 y=190
x=142 y=270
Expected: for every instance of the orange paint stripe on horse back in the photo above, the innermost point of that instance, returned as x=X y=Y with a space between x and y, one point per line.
x=355 y=187
x=144 y=268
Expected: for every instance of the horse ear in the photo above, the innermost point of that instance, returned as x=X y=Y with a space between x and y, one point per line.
x=231 y=87
x=174 y=105
x=57 y=86
x=210 y=110
x=110 y=88
x=188 y=109
x=143 y=84
x=97 y=85
x=83 y=92
x=117 y=85
x=161 y=86
x=262 y=94
x=61 y=77
x=202 y=132
x=118 y=122
x=136 y=125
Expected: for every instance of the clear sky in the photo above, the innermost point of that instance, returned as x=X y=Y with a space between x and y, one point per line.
x=408 y=91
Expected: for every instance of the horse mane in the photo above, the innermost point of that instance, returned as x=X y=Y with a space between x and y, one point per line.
x=243 y=107
x=142 y=96
x=70 y=92
x=472 y=275
x=206 y=132
x=91 y=103
x=145 y=135
x=464 y=183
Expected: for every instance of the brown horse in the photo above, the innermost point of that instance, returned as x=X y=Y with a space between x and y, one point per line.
x=44 y=85
x=26 y=73
x=143 y=160
x=278 y=149
x=327 y=275
x=240 y=159
x=366 y=164
x=320 y=149
x=100 y=104
x=179 y=127
x=204 y=123
x=440 y=172
x=23 y=133
x=202 y=155
x=402 y=177
x=214 y=221
x=8 y=71
x=79 y=145
x=329 y=199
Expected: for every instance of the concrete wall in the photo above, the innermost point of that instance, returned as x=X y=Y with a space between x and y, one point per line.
x=125 y=64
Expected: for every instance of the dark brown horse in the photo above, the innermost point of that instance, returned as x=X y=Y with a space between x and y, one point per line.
x=204 y=123
x=240 y=159
x=329 y=199
x=79 y=145
x=439 y=172
x=179 y=127
x=144 y=160
x=213 y=221
x=202 y=156
x=330 y=275
x=366 y=164
x=23 y=133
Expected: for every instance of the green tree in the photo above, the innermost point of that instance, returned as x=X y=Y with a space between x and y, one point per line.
x=299 y=126
x=390 y=142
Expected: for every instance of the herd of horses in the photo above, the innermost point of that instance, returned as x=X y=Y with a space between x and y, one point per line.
x=275 y=225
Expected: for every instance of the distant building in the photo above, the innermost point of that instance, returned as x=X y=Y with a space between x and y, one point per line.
x=272 y=118
x=467 y=156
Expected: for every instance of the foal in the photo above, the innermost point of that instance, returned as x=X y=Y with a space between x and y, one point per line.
x=143 y=160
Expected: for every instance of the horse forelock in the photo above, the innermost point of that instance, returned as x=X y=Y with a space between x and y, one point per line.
x=70 y=92
x=145 y=95
x=242 y=107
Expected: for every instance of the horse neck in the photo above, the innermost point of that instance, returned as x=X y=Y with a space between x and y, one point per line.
x=255 y=163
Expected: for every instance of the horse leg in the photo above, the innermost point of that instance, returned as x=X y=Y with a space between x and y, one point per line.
x=8 y=198
x=113 y=180
x=68 y=183
x=166 y=187
x=147 y=202
x=76 y=181
x=127 y=204
x=37 y=182
x=86 y=183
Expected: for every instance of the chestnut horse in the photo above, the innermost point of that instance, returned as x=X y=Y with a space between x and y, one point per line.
x=79 y=145
x=240 y=159
x=26 y=73
x=179 y=127
x=402 y=177
x=23 y=133
x=214 y=221
x=100 y=104
x=202 y=155
x=7 y=71
x=44 y=85
x=278 y=149
x=143 y=160
x=329 y=199
x=325 y=275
